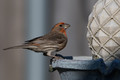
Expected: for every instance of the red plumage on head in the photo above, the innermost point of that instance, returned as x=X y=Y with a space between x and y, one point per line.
x=62 y=30
x=61 y=23
x=58 y=25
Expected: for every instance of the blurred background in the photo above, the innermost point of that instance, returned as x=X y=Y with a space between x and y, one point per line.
x=21 y=20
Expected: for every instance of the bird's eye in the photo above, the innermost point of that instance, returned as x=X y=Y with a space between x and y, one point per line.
x=60 y=25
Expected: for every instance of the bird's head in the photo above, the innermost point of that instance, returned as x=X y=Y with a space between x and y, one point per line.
x=61 y=27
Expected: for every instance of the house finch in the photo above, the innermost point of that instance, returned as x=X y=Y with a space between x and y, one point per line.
x=50 y=43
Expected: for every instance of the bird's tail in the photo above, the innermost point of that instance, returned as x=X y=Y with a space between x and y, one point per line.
x=16 y=47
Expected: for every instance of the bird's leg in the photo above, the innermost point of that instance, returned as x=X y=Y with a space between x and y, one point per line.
x=53 y=55
x=49 y=53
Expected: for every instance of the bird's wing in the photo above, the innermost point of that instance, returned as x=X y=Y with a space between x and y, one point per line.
x=53 y=40
x=57 y=37
x=49 y=38
x=37 y=38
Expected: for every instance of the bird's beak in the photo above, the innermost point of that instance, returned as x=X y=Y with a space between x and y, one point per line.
x=66 y=26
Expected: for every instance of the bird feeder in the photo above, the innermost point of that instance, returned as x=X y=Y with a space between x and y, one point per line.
x=104 y=41
x=104 y=30
x=87 y=69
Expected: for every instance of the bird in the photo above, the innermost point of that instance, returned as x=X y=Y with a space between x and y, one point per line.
x=50 y=43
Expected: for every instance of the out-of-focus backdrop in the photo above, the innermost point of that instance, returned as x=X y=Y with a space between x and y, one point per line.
x=22 y=20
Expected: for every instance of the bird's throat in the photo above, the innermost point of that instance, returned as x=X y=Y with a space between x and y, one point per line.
x=63 y=31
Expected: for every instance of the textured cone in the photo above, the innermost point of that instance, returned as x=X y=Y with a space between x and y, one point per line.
x=104 y=30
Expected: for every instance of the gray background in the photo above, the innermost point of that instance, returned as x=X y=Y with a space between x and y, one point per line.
x=21 y=20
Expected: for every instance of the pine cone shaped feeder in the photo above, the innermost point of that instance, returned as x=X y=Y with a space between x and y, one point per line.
x=104 y=30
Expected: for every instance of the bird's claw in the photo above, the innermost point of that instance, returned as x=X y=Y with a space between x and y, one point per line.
x=53 y=59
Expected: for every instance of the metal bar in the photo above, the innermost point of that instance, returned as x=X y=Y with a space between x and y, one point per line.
x=37 y=64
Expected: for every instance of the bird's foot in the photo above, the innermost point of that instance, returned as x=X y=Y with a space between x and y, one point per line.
x=52 y=60
x=56 y=57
